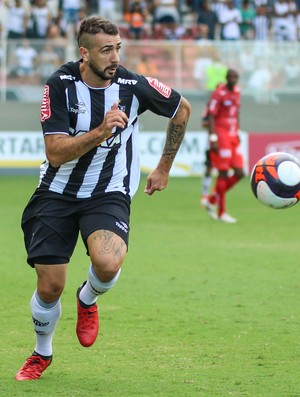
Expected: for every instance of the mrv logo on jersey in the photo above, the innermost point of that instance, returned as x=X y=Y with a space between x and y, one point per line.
x=126 y=81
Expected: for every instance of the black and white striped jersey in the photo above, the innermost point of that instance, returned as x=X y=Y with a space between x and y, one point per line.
x=70 y=107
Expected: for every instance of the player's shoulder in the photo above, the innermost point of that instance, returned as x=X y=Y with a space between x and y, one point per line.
x=69 y=72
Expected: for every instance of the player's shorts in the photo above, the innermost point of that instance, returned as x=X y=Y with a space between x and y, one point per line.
x=229 y=154
x=51 y=223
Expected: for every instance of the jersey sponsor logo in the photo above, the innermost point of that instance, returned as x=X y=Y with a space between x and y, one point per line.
x=160 y=87
x=126 y=81
x=227 y=102
x=80 y=106
x=67 y=77
x=45 y=106
x=111 y=141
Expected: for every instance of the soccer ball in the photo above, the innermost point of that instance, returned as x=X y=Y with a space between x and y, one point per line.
x=275 y=180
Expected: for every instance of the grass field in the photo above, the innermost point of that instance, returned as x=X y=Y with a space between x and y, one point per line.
x=201 y=308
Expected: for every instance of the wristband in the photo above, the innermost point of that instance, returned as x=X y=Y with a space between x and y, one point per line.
x=213 y=137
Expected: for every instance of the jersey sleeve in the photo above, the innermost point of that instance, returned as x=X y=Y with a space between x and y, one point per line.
x=214 y=103
x=54 y=112
x=157 y=97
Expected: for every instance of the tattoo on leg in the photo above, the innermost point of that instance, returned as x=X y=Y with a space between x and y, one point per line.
x=107 y=243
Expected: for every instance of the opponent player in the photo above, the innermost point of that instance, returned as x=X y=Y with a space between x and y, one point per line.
x=89 y=116
x=226 y=154
x=207 y=178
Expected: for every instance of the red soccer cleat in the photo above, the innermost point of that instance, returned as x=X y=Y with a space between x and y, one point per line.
x=87 y=323
x=33 y=368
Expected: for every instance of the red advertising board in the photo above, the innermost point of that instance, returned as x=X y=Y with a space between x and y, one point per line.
x=261 y=144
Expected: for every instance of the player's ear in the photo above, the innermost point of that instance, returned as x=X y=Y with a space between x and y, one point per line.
x=84 y=54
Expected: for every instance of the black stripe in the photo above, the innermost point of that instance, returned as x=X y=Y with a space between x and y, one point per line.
x=73 y=101
x=126 y=181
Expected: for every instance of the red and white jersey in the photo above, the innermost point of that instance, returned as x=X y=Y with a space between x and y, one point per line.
x=224 y=105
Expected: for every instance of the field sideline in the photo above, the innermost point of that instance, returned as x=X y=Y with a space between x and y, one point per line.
x=202 y=309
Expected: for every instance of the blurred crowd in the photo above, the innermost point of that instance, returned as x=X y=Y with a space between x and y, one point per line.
x=277 y=20
x=41 y=37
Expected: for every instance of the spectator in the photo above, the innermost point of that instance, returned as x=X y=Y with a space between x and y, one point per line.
x=108 y=9
x=24 y=59
x=281 y=23
x=209 y=18
x=40 y=19
x=16 y=20
x=136 y=17
x=231 y=19
x=292 y=18
x=166 y=12
x=261 y=23
x=56 y=35
x=48 y=62
x=69 y=12
x=248 y=15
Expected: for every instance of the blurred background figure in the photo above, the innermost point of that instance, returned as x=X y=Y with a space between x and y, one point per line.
x=23 y=63
x=16 y=19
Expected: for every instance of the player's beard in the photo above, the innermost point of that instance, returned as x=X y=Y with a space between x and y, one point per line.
x=102 y=73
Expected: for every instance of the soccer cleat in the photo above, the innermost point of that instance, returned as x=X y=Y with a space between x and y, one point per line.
x=87 y=322
x=227 y=218
x=212 y=210
x=203 y=201
x=33 y=368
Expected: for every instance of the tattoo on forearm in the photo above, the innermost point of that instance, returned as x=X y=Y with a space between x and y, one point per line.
x=175 y=134
x=108 y=243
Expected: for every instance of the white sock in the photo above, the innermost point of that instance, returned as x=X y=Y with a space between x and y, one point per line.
x=95 y=287
x=45 y=318
x=206 y=184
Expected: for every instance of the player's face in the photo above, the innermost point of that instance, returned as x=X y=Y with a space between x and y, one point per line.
x=232 y=78
x=104 y=57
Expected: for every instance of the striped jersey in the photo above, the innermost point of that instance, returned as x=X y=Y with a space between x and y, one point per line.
x=71 y=107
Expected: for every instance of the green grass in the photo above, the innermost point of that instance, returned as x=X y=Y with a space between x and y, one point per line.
x=201 y=309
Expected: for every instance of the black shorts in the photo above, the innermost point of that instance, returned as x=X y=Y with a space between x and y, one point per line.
x=51 y=223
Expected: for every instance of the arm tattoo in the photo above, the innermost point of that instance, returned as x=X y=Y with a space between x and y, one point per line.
x=175 y=134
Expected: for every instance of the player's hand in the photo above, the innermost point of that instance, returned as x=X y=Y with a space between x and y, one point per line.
x=156 y=180
x=114 y=118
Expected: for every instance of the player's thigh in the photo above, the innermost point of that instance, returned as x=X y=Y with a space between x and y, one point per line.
x=50 y=237
x=104 y=226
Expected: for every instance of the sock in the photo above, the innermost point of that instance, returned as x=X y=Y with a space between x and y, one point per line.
x=221 y=186
x=206 y=184
x=231 y=181
x=45 y=317
x=95 y=287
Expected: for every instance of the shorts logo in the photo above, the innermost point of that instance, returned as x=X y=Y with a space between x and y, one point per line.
x=160 y=87
x=45 y=106
x=122 y=226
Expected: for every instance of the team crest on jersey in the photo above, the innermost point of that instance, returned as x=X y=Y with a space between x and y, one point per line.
x=160 y=87
x=45 y=106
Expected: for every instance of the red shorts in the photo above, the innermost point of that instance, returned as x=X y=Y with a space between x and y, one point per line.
x=229 y=154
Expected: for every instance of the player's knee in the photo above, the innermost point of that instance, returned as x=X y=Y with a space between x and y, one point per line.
x=107 y=267
x=51 y=290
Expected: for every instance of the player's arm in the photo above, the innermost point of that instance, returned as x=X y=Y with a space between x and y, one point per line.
x=158 y=178
x=61 y=148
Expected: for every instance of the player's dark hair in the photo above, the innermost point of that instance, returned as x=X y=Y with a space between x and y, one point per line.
x=93 y=25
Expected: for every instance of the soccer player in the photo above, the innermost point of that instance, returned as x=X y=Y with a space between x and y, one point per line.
x=207 y=175
x=89 y=116
x=225 y=153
